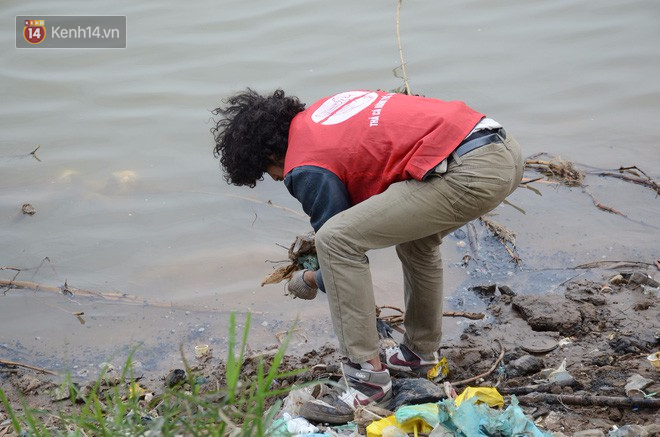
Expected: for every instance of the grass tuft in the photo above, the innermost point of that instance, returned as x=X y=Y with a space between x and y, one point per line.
x=115 y=404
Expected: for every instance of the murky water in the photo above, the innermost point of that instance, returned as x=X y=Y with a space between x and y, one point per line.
x=129 y=198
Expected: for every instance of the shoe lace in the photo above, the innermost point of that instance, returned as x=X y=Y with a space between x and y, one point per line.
x=348 y=397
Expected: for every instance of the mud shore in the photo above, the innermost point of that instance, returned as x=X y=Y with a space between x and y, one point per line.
x=595 y=335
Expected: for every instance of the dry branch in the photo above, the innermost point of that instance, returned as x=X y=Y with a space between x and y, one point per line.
x=27 y=366
x=504 y=236
x=604 y=207
x=559 y=169
x=607 y=264
x=302 y=246
x=624 y=173
x=398 y=40
x=397 y=319
x=600 y=401
x=108 y=296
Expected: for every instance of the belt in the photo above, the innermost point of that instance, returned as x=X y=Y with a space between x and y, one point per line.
x=480 y=138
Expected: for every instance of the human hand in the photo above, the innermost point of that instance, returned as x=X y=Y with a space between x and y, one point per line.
x=299 y=288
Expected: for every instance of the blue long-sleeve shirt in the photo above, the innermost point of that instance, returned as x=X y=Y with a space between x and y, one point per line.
x=322 y=195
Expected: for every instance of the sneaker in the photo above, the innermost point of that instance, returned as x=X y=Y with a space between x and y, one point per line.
x=402 y=359
x=299 y=288
x=363 y=388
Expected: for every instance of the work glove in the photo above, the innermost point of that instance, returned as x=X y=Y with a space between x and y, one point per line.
x=299 y=288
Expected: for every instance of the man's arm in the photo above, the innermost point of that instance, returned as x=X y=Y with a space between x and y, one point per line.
x=321 y=193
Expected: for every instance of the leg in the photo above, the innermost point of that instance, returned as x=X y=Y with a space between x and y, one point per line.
x=422 y=283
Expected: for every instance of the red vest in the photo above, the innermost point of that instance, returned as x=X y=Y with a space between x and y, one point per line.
x=371 y=139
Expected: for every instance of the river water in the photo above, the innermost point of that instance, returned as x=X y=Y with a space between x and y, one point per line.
x=129 y=198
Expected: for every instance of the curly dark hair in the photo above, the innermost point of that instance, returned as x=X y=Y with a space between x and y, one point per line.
x=252 y=133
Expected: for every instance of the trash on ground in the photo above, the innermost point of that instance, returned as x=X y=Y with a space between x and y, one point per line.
x=288 y=425
x=408 y=419
x=486 y=395
x=636 y=384
x=478 y=419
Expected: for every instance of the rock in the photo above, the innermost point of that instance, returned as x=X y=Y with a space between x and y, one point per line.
x=28 y=209
x=640 y=278
x=615 y=415
x=644 y=305
x=110 y=378
x=538 y=344
x=60 y=393
x=564 y=316
x=525 y=365
x=653 y=430
x=589 y=433
x=553 y=421
x=617 y=280
x=175 y=377
x=627 y=345
x=582 y=295
x=629 y=431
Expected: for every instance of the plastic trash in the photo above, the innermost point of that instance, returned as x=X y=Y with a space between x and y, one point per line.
x=470 y=419
x=201 y=350
x=439 y=371
x=287 y=426
x=558 y=375
x=427 y=413
x=487 y=395
x=636 y=383
x=414 y=391
x=654 y=359
x=407 y=419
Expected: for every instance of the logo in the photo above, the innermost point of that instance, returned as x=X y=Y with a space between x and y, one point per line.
x=343 y=106
x=34 y=31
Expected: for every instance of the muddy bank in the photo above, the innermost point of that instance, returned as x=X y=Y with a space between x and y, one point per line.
x=595 y=334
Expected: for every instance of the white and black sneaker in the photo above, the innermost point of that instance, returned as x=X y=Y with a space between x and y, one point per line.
x=363 y=388
x=402 y=359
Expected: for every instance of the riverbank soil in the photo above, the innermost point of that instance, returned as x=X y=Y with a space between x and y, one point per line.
x=576 y=358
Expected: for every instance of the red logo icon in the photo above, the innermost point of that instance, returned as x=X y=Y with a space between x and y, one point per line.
x=34 y=31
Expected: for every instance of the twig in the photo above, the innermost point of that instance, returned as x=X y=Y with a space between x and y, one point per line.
x=27 y=366
x=472 y=240
x=537 y=388
x=565 y=171
x=646 y=182
x=600 y=401
x=529 y=181
x=604 y=207
x=398 y=39
x=473 y=316
x=109 y=296
x=34 y=153
x=398 y=318
x=613 y=265
x=482 y=375
x=504 y=236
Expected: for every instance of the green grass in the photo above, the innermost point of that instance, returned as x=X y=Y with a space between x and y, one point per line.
x=241 y=407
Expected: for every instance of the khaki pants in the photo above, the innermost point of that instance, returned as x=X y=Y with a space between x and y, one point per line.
x=414 y=216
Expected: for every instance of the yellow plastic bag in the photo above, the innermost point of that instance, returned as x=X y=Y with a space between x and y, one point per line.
x=439 y=371
x=414 y=425
x=487 y=395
